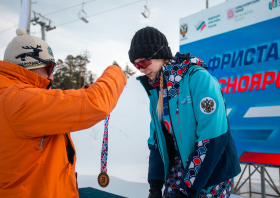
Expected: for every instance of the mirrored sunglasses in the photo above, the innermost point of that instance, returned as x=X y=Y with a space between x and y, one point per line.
x=50 y=68
x=146 y=62
x=143 y=64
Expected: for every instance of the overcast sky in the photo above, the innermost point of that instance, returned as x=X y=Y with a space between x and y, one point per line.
x=107 y=36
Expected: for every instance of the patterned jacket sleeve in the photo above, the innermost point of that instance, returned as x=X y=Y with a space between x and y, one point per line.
x=212 y=135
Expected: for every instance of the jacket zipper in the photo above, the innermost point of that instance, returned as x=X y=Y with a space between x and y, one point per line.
x=177 y=112
x=41 y=143
x=49 y=85
x=174 y=131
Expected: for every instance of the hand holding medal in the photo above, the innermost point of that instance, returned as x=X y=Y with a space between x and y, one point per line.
x=103 y=178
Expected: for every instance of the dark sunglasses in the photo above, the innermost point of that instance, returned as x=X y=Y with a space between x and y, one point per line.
x=49 y=64
x=146 y=62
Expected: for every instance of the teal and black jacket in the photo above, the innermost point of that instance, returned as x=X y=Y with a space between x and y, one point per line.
x=199 y=121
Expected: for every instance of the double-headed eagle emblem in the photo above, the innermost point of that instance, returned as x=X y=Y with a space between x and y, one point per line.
x=208 y=105
x=184 y=29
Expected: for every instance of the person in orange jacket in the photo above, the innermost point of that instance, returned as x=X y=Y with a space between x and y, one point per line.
x=37 y=155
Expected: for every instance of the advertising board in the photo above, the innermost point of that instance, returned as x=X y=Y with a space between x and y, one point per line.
x=240 y=42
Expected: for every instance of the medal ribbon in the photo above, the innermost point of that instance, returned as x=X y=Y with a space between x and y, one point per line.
x=104 y=150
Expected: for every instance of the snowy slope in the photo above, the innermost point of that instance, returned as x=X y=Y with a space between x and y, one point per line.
x=128 y=134
x=120 y=187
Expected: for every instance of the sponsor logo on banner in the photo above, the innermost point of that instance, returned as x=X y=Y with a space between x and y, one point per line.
x=184 y=29
x=241 y=11
x=200 y=26
x=274 y=4
x=212 y=21
x=230 y=13
x=241 y=8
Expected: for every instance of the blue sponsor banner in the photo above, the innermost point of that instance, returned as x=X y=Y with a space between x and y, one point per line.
x=246 y=61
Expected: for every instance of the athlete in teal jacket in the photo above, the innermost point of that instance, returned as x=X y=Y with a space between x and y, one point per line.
x=191 y=147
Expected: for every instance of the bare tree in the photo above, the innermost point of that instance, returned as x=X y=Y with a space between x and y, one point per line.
x=128 y=71
x=115 y=63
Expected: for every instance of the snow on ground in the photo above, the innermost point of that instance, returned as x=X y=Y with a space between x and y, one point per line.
x=116 y=186
x=128 y=150
x=120 y=187
x=128 y=133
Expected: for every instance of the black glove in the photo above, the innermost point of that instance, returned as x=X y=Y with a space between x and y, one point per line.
x=155 y=189
x=179 y=194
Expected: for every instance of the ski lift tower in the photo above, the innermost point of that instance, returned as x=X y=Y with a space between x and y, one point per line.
x=45 y=23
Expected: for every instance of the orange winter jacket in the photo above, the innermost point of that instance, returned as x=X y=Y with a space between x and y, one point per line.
x=34 y=129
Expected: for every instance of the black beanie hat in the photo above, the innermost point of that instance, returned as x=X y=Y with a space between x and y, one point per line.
x=146 y=42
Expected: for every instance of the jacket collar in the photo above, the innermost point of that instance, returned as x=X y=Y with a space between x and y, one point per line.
x=174 y=73
x=145 y=82
x=19 y=74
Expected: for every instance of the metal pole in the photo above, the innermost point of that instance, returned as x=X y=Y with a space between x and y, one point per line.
x=250 y=190
x=273 y=186
x=43 y=30
x=236 y=190
x=29 y=18
x=206 y=4
x=263 y=182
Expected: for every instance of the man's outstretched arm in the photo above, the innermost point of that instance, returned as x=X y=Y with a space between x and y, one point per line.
x=34 y=112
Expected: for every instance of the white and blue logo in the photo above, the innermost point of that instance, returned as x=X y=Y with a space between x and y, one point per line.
x=200 y=26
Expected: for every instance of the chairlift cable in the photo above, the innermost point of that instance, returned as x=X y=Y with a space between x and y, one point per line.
x=77 y=19
x=115 y=8
x=51 y=13
x=100 y=13
x=68 y=8
x=8 y=28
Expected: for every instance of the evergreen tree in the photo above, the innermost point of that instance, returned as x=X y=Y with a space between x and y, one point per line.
x=81 y=62
x=91 y=78
x=61 y=76
x=72 y=73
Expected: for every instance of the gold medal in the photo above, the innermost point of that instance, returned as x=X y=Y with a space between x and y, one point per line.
x=103 y=179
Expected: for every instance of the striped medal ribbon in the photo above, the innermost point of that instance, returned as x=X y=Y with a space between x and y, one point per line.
x=103 y=178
